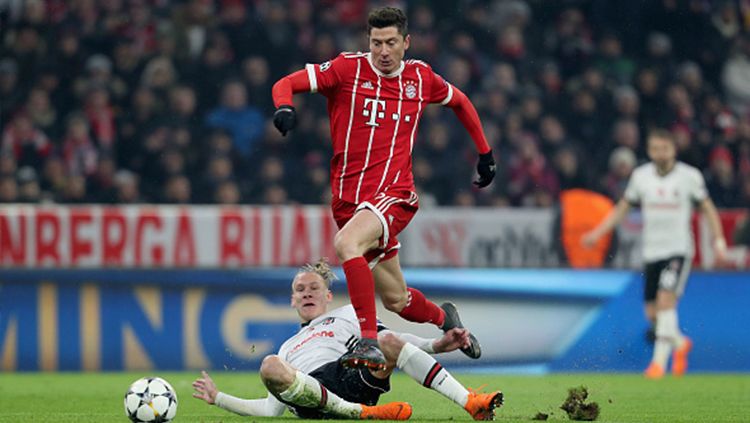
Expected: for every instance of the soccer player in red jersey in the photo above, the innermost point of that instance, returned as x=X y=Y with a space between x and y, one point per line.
x=375 y=102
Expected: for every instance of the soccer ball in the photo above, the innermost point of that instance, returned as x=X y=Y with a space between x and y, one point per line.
x=150 y=399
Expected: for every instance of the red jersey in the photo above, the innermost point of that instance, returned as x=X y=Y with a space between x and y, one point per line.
x=374 y=119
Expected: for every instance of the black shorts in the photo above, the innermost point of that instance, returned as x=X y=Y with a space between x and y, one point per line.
x=669 y=275
x=354 y=385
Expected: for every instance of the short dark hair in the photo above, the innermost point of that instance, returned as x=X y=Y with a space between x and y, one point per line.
x=663 y=134
x=385 y=17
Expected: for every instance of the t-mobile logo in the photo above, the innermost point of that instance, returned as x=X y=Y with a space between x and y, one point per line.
x=374 y=109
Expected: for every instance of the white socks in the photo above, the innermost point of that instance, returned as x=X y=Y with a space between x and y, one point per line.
x=428 y=372
x=668 y=336
x=306 y=391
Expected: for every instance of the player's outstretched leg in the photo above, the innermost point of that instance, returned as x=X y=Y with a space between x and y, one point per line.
x=424 y=369
x=300 y=389
x=361 y=286
x=452 y=320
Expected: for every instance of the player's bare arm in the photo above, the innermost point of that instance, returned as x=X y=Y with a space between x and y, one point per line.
x=451 y=340
x=613 y=219
x=708 y=208
x=205 y=389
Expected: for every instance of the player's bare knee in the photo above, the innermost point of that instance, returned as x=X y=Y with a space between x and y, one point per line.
x=391 y=346
x=666 y=300
x=274 y=372
x=270 y=366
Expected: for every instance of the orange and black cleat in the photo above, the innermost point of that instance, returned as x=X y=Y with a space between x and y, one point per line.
x=390 y=411
x=654 y=371
x=680 y=358
x=482 y=406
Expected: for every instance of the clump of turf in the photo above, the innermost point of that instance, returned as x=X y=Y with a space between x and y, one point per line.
x=540 y=416
x=577 y=408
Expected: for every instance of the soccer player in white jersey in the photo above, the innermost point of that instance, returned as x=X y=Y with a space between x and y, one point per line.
x=309 y=378
x=666 y=191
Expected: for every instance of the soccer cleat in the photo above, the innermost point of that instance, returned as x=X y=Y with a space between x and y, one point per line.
x=482 y=406
x=390 y=411
x=452 y=320
x=365 y=354
x=680 y=358
x=654 y=371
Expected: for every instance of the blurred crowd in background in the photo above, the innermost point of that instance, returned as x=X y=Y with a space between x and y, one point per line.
x=167 y=101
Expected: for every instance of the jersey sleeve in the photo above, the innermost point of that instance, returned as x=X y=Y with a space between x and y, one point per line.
x=632 y=192
x=326 y=77
x=441 y=91
x=698 y=191
x=351 y=327
x=267 y=407
x=284 y=350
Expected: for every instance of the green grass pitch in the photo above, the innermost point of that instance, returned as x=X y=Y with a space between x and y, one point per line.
x=98 y=397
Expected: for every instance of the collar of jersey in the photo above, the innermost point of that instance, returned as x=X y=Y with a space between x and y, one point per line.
x=306 y=324
x=656 y=170
x=385 y=75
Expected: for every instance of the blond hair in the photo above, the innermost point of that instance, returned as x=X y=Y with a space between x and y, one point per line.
x=320 y=268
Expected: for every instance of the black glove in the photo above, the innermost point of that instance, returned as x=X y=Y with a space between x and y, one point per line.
x=486 y=169
x=285 y=119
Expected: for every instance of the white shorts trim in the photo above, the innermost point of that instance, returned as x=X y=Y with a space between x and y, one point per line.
x=379 y=214
x=687 y=264
x=374 y=262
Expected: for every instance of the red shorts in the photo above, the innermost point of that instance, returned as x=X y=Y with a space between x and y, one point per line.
x=395 y=209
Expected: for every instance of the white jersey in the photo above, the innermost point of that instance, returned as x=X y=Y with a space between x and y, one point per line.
x=666 y=206
x=312 y=346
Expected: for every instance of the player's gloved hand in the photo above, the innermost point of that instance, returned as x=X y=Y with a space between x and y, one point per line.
x=285 y=119
x=486 y=169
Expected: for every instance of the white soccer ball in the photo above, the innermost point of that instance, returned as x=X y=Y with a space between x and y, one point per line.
x=151 y=399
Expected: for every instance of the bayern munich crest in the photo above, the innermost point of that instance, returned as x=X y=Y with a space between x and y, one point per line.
x=410 y=88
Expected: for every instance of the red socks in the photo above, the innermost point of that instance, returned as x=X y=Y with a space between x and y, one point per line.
x=361 y=286
x=420 y=310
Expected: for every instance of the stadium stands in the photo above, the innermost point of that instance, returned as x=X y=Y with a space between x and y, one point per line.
x=166 y=101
